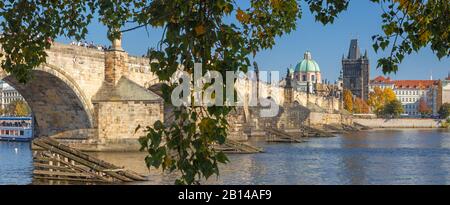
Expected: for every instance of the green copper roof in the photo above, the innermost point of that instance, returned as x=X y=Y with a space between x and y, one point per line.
x=307 y=64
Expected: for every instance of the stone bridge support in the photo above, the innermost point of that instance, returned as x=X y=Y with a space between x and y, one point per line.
x=121 y=105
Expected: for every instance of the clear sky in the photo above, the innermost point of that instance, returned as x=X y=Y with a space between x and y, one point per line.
x=327 y=44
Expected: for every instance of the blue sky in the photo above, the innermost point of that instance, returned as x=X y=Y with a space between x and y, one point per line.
x=327 y=44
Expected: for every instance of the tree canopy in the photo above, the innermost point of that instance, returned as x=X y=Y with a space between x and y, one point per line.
x=360 y=106
x=393 y=109
x=348 y=100
x=379 y=98
x=17 y=108
x=444 y=110
x=423 y=108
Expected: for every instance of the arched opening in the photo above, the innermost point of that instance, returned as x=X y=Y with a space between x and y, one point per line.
x=55 y=105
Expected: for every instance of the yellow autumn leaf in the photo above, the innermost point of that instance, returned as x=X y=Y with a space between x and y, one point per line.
x=242 y=17
x=276 y=4
x=200 y=30
x=424 y=36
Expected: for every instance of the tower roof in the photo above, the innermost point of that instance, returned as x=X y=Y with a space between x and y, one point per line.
x=354 y=52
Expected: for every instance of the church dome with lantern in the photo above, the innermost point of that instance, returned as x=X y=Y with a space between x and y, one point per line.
x=307 y=64
x=308 y=70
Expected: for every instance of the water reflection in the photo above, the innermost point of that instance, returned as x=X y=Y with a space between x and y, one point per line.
x=375 y=157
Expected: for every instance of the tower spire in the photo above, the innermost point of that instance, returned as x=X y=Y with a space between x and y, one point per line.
x=354 y=51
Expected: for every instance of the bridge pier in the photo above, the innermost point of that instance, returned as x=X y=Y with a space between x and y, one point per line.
x=120 y=105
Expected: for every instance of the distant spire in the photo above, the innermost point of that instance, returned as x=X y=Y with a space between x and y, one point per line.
x=354 y=52
x=365 y=54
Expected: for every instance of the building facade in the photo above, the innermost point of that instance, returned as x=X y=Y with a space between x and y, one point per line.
x=411 y=92
x=356 y=71
x=446 y=90
x=8 y=94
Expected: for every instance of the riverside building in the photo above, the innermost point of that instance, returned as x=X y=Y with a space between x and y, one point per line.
x=411 y=92
x=8 y=94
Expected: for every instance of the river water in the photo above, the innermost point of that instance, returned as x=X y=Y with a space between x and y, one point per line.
x=373 y=157
x=16 y=163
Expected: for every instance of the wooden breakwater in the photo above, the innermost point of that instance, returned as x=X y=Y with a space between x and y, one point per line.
x=56 y=161
x=235 y=147
x=308 y=131
x=277 y=135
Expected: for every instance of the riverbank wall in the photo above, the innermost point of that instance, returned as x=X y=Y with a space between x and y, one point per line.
x=399 y=123
x=319 y=119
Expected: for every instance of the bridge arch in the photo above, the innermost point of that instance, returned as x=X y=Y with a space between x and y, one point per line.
x=56 y=100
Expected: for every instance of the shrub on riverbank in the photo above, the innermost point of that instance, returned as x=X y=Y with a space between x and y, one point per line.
x=393 y=109
x=444 y=111
x=445 y=123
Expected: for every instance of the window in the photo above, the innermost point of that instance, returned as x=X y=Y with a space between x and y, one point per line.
x=304 y=78
x=313 y=78
x=21 y=133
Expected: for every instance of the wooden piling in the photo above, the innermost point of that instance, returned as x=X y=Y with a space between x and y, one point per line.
x=56 y=161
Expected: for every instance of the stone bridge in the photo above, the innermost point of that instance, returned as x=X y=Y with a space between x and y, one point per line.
x=101 y=96
x=86 y=93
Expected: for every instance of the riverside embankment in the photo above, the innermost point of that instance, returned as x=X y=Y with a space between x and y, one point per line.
x=399 y=123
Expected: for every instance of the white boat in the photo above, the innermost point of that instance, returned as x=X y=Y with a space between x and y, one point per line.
x=16 y=129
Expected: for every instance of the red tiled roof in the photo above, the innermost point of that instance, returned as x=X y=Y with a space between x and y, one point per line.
x=405 y=84
x=381 y=79
x=421 y=84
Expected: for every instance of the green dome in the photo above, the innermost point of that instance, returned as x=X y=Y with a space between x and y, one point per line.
x=307 y=64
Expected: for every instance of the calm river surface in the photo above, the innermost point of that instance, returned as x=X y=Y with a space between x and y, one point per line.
x=374 y=157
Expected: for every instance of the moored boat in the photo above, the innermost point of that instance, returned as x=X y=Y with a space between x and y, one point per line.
x=16 y=129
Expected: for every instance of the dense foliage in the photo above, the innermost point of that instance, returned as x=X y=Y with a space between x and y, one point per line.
x=392 y=109
x=360 y=106
x=410 y=25
x=444 y=110
x=16 y=108
x=348 y=100
x=379 y=98
x=423 y=108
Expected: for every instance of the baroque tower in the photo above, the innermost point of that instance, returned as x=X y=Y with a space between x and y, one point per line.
x=356 y=71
